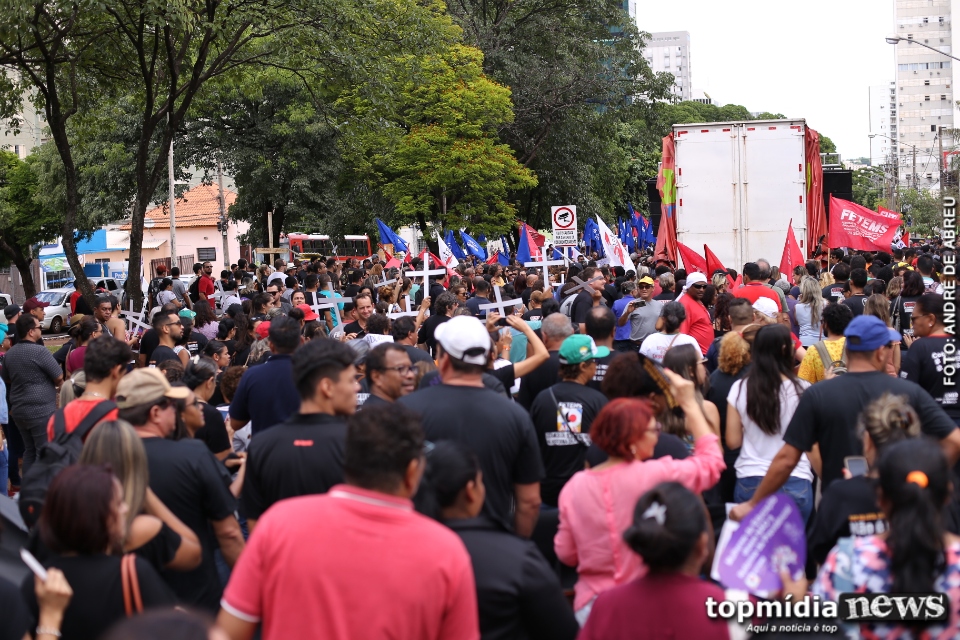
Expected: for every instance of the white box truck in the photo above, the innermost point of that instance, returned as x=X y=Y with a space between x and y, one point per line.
x=738 y=186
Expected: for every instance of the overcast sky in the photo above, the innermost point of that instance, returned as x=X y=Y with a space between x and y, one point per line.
x=812 y=60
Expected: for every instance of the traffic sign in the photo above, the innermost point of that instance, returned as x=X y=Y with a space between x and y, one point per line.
x=564 y=225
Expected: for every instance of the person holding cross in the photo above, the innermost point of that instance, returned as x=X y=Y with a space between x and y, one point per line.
x=588 y=297
x=445 y=305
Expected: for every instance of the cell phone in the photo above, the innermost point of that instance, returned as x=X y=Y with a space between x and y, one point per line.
x=502 y=322
x=856 y=465
x=33 y=564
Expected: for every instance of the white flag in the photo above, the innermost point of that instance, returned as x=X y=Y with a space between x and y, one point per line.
x=616 y=252
x=445 y=254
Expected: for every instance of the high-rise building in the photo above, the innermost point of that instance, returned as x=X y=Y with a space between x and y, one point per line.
x=883 y=123
x=924 y=89
x=30 y=132
x=669 y=51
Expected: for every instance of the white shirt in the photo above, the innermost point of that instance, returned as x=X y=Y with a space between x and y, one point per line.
x=655 y=345
x=759 y=448
x=809 y=334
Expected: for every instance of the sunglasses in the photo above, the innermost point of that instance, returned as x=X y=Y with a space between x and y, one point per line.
x=645 y=286
x=698 y=286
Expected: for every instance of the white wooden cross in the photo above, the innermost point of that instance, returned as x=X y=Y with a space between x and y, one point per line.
x=544 y=264
x=581 y=284
x=426 y=272
x=135 y=319
x=321 y=303
x=384 y=283
x=500 y=304
x=408 y=312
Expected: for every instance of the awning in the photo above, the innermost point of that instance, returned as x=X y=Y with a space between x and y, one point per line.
x=95 y=244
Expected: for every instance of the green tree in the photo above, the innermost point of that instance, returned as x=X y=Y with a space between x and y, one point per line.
x=24 y=221
x=924 y=209
x=827 y=145
x=434 y=151
x=868 y=184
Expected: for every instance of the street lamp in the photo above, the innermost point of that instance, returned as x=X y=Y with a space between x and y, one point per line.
x=896 y=39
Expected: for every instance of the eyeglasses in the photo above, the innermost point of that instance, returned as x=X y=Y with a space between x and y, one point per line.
x=273 y=293
x=644 y=286
x=208 y=266
x=196 y=403
x=170 y=324
x=402 y=369
x=914 y=316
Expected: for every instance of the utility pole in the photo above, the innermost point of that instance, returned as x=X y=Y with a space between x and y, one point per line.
x=940 y=158
x=224 y=223
x=173 y=213
x=916 y=182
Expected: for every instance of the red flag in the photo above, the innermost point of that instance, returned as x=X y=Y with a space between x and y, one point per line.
x=666 y=248
x=407 y=258
x=534 y=240
x=391 y=263
x=538 y=238
x=692 y=261
x=859 y=228
x=816 y=216
x=386 y=253
x=792 y=256
x=713 y=262
x=494 y=258
x=889 y=213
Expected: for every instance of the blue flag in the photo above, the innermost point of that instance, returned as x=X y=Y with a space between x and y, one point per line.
x=626 y=235
x=387 y=236
x=523 y=249
x=473 y=247
x=482 y=239
x=591 y=237
x=454 y=247
x=503 y=258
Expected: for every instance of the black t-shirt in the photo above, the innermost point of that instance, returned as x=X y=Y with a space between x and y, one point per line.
x=432 y=379
x=518 y=594
x=833 y=292
x=498 y=431
x=148 y=342
x=354 y=327
x=855 y=302
x=416 y=354
x=848 y=507
x=16 y=616
x=539 y=379
x=667 y=445
x=581 y=306
x=301 y=456
x=903 y=306
x=923 y=363
x=160 y=550
x=602 y=364
x=161 y=354
x=195 y=486
x=506 y=376
x=666 y=295
x=196 y=343
x=427 y=329
x=827 y=414
x=213 y=433
x=563 y=442
x=370 y=400
x=97 y=601
x=533 y=315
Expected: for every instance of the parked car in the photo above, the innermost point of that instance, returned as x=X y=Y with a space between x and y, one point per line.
x=56 y=316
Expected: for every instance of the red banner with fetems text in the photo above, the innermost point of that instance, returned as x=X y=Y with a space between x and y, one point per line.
x=860 y=228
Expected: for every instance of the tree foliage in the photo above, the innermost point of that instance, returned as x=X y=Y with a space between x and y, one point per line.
x=868 y=185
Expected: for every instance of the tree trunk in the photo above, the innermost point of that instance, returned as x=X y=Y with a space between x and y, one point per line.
x=22 y=262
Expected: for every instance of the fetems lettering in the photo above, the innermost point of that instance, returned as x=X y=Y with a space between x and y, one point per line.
x=894 y=607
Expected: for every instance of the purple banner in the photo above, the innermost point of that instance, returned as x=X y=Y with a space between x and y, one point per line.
x=768 y=540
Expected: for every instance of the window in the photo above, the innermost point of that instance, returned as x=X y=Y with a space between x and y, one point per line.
x=103 y=260
x=205 y=254
x=926 y=83
x=926 y=98
x=933 y=127
x=926 y=21
x=943 y=96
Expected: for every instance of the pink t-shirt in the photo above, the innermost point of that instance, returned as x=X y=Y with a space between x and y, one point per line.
x=596 y=507
x=352 y=564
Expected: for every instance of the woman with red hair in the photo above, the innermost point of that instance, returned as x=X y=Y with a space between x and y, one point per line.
x=596 y=505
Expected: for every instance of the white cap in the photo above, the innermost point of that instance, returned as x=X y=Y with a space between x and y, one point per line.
x=464 y=338
x=767 y=307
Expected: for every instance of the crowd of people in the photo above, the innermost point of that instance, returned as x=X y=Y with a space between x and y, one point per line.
x=335 y=448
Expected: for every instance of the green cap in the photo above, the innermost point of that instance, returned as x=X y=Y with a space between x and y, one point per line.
x=187 y=313
x=580 y=348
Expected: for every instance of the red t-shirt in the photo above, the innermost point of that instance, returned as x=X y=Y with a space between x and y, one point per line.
x=656 y=606
x=352 y=564
x=73 y=302
x=74 y=413
x=756 y=290
x=205 y=287
x=698 y=324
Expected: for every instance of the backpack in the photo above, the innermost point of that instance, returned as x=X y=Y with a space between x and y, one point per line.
x=839 y=366
x=566 y=307
x=54 y=457
x=194 y=290
x=153 y=290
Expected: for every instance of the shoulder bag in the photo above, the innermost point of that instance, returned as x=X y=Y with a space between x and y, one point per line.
x=132 y=603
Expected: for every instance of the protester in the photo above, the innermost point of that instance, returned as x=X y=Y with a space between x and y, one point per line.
x=759 y=409
x=266 y=396
x=441 y=311
x=827 y=412
x=600 y=325
x=849 y=507
x=33 y=378
x=927 y=354
x=672 y=316
x=390 y=373
x=670 y=535
x=809 y=311
x=152 y=531
x=83 y=332
x=755 y=286
x=499 y=431
x=829 y=352
x=689 y=363
x=312 y=560
x=200 y=376
x=698 y=323
x=83 y=524
x=857 y=282
x=597 y=505
x=186 y=478
x=554 y=328
x=518 y=594
x=641 y=313
x=304 y=454
x=562 y=415
x=587 y=298
x=916 y=555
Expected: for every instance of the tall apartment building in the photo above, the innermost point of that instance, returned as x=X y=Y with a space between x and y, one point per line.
x=924 y=89
x=669 y=51
x=883 y=123
x=31 y=133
